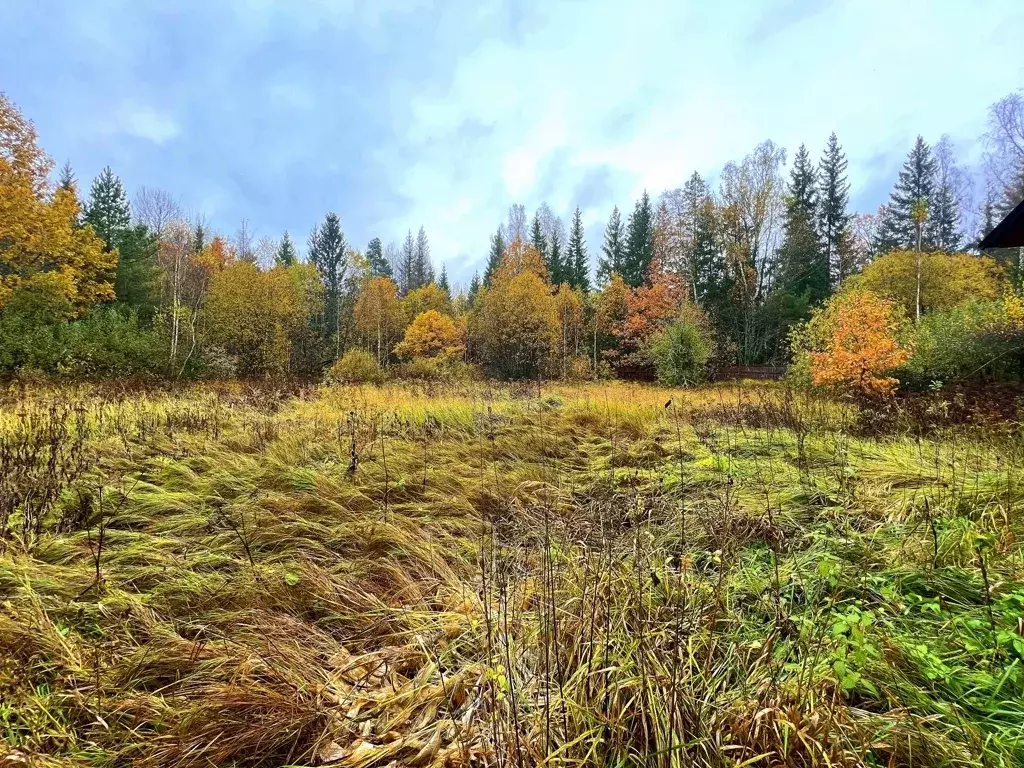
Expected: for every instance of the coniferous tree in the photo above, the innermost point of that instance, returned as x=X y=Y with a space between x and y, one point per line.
x=916 y=183
x=136 y=280
x=614 y=249
x=577 y=262
x=328 y=252
x=833 y=199
x=474 y=288
x=107 y=209
x=704 y=260
x=494 y=257
x=944 y=217
x=803 y=268
x=286 y=255
x=555 y=260
x=442 y=282
x=639 y=242
x=537 y=238
x=198 y=237
x=407 y=266
x=423 y=268
x=67 y=180
x=379 y=265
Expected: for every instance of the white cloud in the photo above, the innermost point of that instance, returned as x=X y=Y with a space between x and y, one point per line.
x=663 y=88
x=145 y=122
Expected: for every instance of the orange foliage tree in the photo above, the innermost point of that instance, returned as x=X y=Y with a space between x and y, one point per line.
x=631 y=317
x=858 y=340
x=47 y=261
x=429 y=296
x=432 y=335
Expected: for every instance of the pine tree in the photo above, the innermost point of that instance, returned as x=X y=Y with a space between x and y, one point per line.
x=916 y=183
x=407 y=266
x=555 y=260
x=802 y=264
x=537 y=238
x=495 y=256
x=576 y=261
x=328 y=252
x=423 y=268
x=286 y=255
x=639 y=242
x=614 y=248
x=442 y=282
x=833 y=199
x=107 y=210
x=379 y=266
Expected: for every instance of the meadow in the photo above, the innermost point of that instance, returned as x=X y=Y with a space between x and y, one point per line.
x=484 y=575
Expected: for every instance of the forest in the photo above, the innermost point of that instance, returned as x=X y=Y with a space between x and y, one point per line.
x=265 y=504
x=753 y=272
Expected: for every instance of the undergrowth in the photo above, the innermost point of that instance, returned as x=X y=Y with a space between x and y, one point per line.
x=468 y=575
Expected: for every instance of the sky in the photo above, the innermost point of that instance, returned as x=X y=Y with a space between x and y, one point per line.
x=401 y=113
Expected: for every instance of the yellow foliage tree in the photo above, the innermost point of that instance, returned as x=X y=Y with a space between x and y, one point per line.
x=253 y=314
x=947 y=279
x=858 y=344
x=428 y=297
x=432 y=335
x=44 y=256
x=379 y=314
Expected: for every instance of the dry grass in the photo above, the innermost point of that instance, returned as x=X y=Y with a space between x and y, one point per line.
x=483 y=575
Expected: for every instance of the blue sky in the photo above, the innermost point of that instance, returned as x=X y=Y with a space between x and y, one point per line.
x=396 y=113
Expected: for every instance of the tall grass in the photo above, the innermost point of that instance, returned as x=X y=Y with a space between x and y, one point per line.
x=484 y=575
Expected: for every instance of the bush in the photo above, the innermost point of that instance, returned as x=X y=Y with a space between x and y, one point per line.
x=681 y=353
x=357 y=366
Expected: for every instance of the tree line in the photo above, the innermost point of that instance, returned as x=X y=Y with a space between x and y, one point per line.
x=101 y=286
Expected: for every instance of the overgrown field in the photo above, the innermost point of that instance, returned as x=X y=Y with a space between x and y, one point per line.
x=594 y=575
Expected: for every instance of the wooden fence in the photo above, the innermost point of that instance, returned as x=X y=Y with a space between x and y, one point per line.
x=770 y=372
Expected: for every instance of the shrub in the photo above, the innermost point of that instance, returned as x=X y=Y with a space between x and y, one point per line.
x=682 y=352
x=431 y=335
x=853 y=342
x=357 y=366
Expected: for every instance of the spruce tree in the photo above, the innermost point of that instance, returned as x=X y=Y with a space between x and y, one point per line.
x=916 y=183
x=474 y=288
x=67 y=180
x=107 y=210
x=423 y=268
x=833 y=199
x=328 y=252
x=407 y=265
x=136 y=280
x=537 y=239
x=705 y=264
x=556 y=261
x=943 y=230
x=577 y=262
x=442 y=282
x=613 y=249
x=802 y=264
x=639 y=242
x=286 y=255
x=379 y=265
x=494 y=257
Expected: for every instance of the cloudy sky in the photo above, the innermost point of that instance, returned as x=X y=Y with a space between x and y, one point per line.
x=397 y=113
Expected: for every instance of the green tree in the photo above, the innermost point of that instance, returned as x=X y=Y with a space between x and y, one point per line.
x=137 y=280
x=423 y=269
x=556 y=261
x=613 y=249
x=639 y=242
x=286 y=255
x=833 y=199
x=537 y=239
x=379 y=266
x=494 y=256
x=474 y=288
x=577 y=261
x=67 y=180
x=702 y=255
x=328 y=252
x=803 y=265
x=916 y=182
x=442 y=282
x=107 y=210
x=944 y=219
x=407 y=266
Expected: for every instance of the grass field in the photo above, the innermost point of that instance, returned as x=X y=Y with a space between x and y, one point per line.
x=588 y=575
